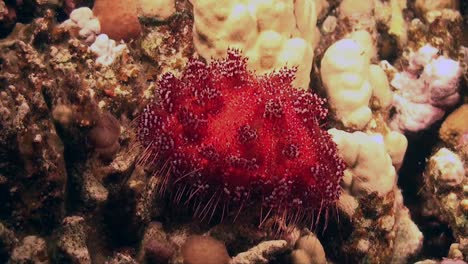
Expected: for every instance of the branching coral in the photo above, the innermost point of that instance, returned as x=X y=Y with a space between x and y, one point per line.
x=233 y=137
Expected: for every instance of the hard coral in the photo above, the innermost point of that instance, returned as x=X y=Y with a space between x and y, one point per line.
x=344 y=70
x=232 y=137
x=272 y=33
x=368 y=160
x=425 y=90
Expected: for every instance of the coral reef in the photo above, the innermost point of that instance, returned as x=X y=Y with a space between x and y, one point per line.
x=7 y=16
x=362 y=104
x=445 y=180
x=121 y=258
x=409 y=238
x=8 y=242
x=32 y=250
x=77 y=75
x=37 y=154
x=71 y=245
x=360 y=99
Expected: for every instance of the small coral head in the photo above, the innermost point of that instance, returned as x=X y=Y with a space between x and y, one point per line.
x=233 y=138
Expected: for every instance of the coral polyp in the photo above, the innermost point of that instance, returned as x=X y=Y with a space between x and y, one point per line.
x=233 y=138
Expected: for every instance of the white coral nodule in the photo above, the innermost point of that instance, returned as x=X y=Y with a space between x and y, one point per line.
x=84 y=19
x=447 y=168
x=106 y=49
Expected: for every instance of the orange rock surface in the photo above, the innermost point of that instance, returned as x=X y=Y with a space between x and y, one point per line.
x=118 y=19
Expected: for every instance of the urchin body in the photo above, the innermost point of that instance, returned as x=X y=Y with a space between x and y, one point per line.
x=233 y=138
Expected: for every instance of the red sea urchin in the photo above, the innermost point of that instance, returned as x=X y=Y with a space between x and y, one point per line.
x=232 y=138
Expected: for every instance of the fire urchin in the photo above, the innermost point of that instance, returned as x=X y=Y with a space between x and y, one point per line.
x=231 y=138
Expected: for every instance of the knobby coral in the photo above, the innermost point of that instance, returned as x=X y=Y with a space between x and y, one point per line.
x=231 y=138
x=425 y=90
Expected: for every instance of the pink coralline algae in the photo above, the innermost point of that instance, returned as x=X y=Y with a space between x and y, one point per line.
x=427 y=87
x=232 y=139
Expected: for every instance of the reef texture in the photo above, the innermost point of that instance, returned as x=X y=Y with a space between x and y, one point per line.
x=75 y=187
x=446 y=181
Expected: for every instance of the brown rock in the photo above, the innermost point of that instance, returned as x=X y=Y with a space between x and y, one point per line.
x=71 y=244
x=158 y=252
x=104 y=136
x=33 y=249
x=118 y=19
x=204 y=250
x=155 y=246
x=454 y=128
